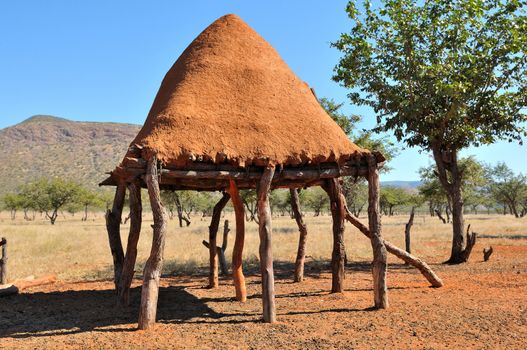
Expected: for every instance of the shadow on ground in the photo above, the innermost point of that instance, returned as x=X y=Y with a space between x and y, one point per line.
x=78 y=311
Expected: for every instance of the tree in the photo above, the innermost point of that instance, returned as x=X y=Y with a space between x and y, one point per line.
x=508 y=188
x=392 y=197
x=50 y=195
x=473 y=182
x=12 y=202
x=316 y=199
x=442 y=76
x=88 y=198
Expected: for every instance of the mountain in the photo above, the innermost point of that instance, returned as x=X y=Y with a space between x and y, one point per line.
x=50 y=146
x=402 y=184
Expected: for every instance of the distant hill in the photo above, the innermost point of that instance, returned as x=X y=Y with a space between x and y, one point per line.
x=403 y=184
x=50 y=146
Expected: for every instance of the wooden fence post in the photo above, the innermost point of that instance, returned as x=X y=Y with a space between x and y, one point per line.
x=3 y=262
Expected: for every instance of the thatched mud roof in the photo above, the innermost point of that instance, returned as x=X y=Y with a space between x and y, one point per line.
x=231 y=99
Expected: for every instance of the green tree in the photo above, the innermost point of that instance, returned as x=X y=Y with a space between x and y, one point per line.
x=50 y=195
x=316 y=199
x=392 y=197
x=13 y=202
x=442 y=76
x=508 y=188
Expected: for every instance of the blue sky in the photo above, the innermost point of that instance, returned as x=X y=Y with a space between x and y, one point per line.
x=104 y=60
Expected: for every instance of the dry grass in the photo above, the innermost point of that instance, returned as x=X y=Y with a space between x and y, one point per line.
x=78 y=250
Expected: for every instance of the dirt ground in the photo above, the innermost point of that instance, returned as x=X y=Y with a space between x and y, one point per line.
x=482 y=306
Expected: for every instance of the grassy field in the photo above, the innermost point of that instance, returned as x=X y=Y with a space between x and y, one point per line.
x=77 y=250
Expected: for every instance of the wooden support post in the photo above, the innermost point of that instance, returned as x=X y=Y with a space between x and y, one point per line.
x=3 y=261
x=136 y=212
x=113 y=226
x=302 y=228
x=338 y=208
x=213 y=233
x=152 y=272
x=266 y=251
x=379 y=267
x=237 y=251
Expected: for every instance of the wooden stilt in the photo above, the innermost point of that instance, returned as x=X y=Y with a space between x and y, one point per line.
x=152 y=272
x=338 y=207
x=113 y=226
x=266 y=252
x=237 y=251
x=213 y=233
x=302 y=228
x=136 y=210
x=379 y=250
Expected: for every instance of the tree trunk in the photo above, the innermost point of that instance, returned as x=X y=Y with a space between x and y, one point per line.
x=152 y=272
x=213 y=233
x=265 y=250
x=379 y=264
x=237 y=251
x=85 y=217
x=113 y=226
x=458 y=225
x=127 y=275
x=302 y=228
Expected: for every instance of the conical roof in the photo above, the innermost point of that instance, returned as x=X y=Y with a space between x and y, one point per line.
x=230 y=98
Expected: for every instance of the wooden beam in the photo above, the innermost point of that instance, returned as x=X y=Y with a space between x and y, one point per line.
x=408 y=258
x=337 y=205
x=113 y=226
x=152 y=271
x=379 y=265
x=266 y=252
x=213 y=233
x=136 y=212
x=237 y=251
x=302 y=228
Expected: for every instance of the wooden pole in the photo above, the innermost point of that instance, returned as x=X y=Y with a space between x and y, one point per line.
x=136 y=212
x=302 y=228
x=379 y=265
x=3 y=261
x=152 y=272
x=422 y=266
x=266 y=252
x=237 y=251
x=113 y=226
x=213 y=233
x=338 y=207
x=407 y=228
x=223 y=262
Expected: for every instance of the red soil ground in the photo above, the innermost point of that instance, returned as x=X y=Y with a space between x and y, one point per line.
x=482 y=306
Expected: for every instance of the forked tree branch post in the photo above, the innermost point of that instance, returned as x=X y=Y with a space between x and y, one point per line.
x=379 y=265
x=338 y=212
x=302 y=240
x=237 y=251
x=152 y=271
x=213 y=233
x=136 y=212
x=113 y=226
x=265 y=250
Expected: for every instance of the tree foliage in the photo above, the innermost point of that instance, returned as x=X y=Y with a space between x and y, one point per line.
x=441 y=75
